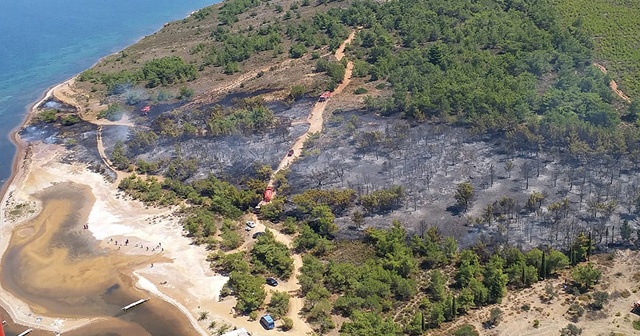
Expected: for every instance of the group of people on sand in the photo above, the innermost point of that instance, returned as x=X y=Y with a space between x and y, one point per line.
x=157 y=248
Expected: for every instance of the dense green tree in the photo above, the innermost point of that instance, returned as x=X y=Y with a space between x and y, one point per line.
x=279 y=304
x=437 y=286
x=118 y=156
x=366 y=324
x=463 y=195
x=415 y=327
x=495 y=280
x=585 y=275
x=468 y=268
x=272 y=255
x=248 y=289
x=580 y=249
x=167 y=70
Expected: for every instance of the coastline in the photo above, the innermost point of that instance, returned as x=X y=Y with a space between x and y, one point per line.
x=185 y=282
x=18 y=311
x=19 y=170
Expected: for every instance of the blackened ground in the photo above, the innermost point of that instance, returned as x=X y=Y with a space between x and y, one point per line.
x=430 y=160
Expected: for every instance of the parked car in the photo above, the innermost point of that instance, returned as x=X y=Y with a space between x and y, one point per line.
x=248 y=228
x=267 y=322
x=257 y=234
x=290 y=153
x=251 y=224
x=272 y=282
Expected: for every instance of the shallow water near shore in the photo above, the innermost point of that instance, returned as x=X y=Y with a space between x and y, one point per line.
x=45 y=42
x=57 y=267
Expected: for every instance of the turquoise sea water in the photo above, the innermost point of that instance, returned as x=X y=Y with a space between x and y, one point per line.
x=44 y=42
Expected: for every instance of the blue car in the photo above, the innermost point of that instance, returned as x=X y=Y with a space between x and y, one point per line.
x=267 y=322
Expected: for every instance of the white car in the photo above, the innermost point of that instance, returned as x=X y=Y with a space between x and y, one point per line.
x=251 y=224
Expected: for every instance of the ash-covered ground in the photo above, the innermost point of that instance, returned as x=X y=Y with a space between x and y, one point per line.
x=366 y=152
x=229 y=156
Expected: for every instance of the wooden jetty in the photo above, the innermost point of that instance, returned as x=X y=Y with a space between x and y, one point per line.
x=137 y=303
x=24 y=333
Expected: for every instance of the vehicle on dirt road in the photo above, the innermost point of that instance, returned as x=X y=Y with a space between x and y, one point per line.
x=251 y=224
x=257 y=234
x=268 y=194
x=267 y=322
x=325 y=96
x=290 y=153
x=272 y=282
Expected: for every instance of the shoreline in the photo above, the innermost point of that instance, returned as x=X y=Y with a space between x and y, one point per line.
x=20 y=168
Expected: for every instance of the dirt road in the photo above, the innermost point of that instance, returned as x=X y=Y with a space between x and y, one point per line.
x=613 y=85
x=315 y=121
x=316 y=117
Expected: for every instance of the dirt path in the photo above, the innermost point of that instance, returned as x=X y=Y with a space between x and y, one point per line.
x=316 y=117
x=211 y=96
x=613 y=85
x=315 y=121
x=105 y=159
x=65 y=93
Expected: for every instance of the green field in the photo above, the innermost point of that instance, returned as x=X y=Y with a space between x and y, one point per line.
x=615 y=27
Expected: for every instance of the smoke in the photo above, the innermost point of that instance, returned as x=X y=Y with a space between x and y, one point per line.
x=133 y=96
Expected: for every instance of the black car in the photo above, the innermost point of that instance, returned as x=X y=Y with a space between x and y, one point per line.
x=272 y=282
x=257 y=234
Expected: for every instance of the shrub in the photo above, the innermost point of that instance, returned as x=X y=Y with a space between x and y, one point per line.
x=297 y=50
x=168 y=70
x=287 y=324
x=360 y=90
x=185 y=93
x=47 y=116
x=536 y=324
x=114 y=113
x=297 y=91
x=69 y=119
x=570 y=330
x=466 y=330
x=495 y=316
x=599 y=300
x=636 y=324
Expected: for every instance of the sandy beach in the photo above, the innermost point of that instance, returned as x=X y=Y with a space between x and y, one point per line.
x=180 y=274
x=110 y=218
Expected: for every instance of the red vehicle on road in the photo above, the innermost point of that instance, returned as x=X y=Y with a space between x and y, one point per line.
x=325 y=96
x=268 y=194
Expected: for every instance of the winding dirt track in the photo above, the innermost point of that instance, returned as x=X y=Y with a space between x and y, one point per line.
x=315 y=121
x=613 y=85
x=316 y=117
